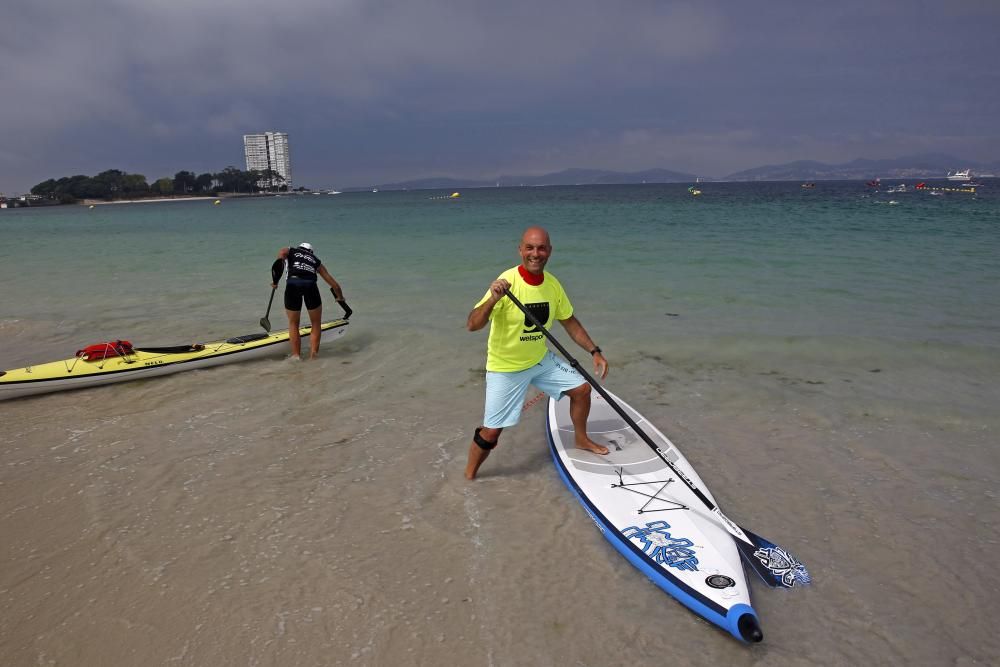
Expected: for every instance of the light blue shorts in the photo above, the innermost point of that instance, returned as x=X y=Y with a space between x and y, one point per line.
x=505 y=392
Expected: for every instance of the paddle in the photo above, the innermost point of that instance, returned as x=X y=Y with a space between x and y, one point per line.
x=276 y=270
x=343 y=304
x=775 y=566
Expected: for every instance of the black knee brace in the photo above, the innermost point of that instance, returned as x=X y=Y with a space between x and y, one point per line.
x=483 y=442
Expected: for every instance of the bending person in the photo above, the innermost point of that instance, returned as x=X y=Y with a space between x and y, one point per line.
x=301 y=286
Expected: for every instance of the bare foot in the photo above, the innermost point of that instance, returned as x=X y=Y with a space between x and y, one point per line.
x=591 y=446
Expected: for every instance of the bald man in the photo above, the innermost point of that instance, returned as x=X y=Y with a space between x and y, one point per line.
x=516 y=352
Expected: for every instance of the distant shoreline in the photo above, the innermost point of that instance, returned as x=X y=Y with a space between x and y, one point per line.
x=102 y=202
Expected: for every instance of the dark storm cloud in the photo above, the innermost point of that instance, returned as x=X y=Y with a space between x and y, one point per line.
x=375 y=91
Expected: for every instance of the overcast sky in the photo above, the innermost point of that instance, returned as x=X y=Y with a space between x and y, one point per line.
x=372 y=91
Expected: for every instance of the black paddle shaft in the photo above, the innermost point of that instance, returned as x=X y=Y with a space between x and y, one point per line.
x=277 y=268
x=269 y=302
x=607 y=397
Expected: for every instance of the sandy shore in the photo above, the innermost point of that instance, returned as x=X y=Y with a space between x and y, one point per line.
x=97 y=202
x=827 y=365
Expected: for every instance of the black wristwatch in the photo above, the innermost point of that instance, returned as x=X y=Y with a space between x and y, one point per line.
x=595 y=351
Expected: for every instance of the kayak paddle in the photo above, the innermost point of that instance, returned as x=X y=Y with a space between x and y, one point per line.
x=343 y=304
x=276 y=270
x=775 y=566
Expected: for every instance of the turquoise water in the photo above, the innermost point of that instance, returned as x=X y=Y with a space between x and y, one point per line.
x=759 y=274
x=767 y=259
x=828 y=360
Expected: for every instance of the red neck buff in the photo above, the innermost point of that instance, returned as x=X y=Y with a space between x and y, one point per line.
x=530 y=278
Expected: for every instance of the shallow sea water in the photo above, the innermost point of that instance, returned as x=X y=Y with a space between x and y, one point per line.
x=826 y=360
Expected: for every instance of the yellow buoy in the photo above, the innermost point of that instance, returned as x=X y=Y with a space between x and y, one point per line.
x=455 y=195
x=217 y=201
x=91 y=206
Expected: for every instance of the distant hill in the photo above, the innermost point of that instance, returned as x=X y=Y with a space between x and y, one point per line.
x=565 y=177
x=913 y=166
x=599 y=177
x=431 y=184
x=931 y=165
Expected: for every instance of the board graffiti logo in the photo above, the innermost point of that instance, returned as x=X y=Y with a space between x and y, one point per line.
x=662 y=547
x=541 y=313
x=783 y=565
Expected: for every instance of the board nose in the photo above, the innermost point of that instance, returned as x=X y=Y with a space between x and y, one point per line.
x=750 y=629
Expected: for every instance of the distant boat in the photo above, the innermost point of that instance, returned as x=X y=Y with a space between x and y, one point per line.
x=959 y=175
x=333 y=192
x=898 y=188
x=808 y=185
x=874 y=183
x=374 y=189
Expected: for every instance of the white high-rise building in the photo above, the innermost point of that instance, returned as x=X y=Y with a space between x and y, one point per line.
x=269 y=151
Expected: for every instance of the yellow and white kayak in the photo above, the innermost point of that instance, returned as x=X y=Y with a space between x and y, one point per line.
x=143 y=362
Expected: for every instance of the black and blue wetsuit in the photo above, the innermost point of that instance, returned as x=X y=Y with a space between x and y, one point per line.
x=301 y=283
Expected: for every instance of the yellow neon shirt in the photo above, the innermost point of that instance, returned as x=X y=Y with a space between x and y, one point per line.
x=515 y=344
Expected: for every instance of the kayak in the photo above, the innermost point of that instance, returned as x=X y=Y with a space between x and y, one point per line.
x=119 y=361
x=648 y=510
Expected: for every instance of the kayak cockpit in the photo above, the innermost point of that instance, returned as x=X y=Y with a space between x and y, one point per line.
x=249 y=338
x=172 y=349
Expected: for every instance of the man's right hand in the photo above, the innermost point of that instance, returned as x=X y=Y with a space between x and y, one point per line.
x=498 y=287
x=480 y=315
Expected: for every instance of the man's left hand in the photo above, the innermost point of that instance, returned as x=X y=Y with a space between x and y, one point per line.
x=601 y=365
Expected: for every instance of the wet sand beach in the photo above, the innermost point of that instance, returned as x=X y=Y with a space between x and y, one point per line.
x=291 y=513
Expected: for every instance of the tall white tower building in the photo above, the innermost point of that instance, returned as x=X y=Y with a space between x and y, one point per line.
x=269 y=151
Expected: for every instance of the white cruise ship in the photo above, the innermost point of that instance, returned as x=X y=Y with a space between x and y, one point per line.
x=959 y=175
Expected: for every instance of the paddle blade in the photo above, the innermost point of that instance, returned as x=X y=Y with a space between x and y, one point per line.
x=276 y=270
x=347 y=309
x=264 y=322
x=776 y=566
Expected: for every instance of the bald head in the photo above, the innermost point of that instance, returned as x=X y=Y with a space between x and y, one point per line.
x=535 y=235
x=535 y=249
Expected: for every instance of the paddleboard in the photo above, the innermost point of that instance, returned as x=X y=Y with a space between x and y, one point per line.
x=653 y=518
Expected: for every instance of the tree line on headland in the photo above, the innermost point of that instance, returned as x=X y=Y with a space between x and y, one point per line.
x=116 y=184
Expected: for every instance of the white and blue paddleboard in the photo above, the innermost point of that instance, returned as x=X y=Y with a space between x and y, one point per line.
x=652 y=517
